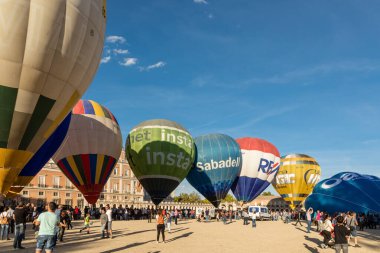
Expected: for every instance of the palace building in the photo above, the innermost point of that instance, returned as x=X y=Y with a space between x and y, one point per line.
x=50 y=184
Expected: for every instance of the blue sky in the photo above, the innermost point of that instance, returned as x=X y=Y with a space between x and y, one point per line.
x=303 y=75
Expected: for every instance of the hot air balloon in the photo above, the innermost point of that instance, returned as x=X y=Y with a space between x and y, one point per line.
x=296 y=178
x=42 y=156
x=216 y=166
x=346 y=191
x=49 y=53
x=160 y=153
x=91 y=149
x=261 y=161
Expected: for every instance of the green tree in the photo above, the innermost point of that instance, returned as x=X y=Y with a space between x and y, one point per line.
x=268 y=193
x=229 y=198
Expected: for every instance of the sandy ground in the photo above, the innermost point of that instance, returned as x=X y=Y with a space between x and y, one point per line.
x=192 y=236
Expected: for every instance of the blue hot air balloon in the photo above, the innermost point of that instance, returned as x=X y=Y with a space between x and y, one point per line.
x=217 y=164
x=40 y=158
x=346 y=191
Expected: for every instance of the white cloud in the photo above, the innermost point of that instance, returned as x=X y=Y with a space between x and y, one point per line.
x=120 y=51
x=115 y=39
x=105 y=59
x=159 y=64
x=200 y=1
x=210 y=16
x=128 y=62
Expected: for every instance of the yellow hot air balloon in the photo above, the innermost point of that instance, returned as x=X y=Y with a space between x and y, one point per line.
x=296 y=178
x=49 y=53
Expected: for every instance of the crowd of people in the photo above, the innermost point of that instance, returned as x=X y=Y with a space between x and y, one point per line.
x=338 y=229
x=51 y=221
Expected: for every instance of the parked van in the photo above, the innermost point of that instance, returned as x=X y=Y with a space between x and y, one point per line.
x=262 y=212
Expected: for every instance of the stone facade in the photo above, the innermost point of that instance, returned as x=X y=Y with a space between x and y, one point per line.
x=50 y=184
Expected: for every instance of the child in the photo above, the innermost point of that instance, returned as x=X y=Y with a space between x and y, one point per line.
x=86 y=224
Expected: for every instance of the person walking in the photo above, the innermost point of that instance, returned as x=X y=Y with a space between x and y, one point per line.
x=342 y=233
x=308 y=218
x=47 y=222
x=86 y=224
x=254 y=219
x=109 y=221
x=352 y=224
x=298 y=215
x=103 y=222
x=160 y=226
x=4 y=222
x=19 y=215
x=70 y=218
x=63 y=225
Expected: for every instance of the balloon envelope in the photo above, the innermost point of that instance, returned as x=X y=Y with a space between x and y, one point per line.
x=42 y=156
x=91 y=149
x=346 y=191
x=296 y=178
x=216 y=166
x=49 y=53
x=261 y=161
x=160 y=153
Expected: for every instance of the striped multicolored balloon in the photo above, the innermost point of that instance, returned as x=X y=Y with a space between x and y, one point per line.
x=92 y=148
x=49 y=53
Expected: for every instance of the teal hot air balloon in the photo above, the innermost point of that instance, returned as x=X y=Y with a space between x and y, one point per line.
x=217 y=164
x=160 y=153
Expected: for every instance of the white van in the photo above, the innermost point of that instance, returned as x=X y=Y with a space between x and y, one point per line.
x=262 y=212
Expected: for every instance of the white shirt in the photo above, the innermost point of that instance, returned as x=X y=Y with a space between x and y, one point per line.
x=253 y=216
x=109 y=214
x=328 y=225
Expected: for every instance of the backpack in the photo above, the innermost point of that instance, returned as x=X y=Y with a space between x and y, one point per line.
x=3 y=219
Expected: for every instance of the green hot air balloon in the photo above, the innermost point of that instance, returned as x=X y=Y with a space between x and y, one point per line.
x=160 y=153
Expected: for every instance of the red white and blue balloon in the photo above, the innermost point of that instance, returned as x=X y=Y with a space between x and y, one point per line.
x=260 y=164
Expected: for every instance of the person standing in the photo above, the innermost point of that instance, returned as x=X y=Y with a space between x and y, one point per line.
x=342 y=233
x=245 y=217
x=317 y=219
x=168 y=221
x=352 y=223
x=103 y=222
x=4 y=222
x=10 y=212
x=19 y=215
x=254 y=219
x=109 y=221
x=206 y=214
x=47 y=222
x=160 y=226
x=149 y=213
x=76 y=213
x=58 y=212
x=308 y=218
x=175 y=216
